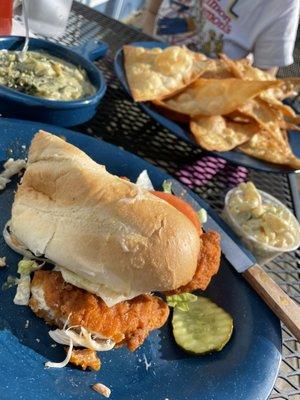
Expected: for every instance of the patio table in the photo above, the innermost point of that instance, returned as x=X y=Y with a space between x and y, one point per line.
x=123 y=123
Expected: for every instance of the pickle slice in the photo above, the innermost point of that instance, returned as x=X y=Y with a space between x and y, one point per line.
x=203 y=329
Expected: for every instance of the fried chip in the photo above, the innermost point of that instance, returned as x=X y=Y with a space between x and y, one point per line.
x=291 y=84
x=218 y=70
x=268 y=119
x=157 y=73
x=244 y=70
x=263 y=146
x=289 y=126
x=173 y=115
x=269 y=96
x=239 y=116
x=218 y=134
x=293 y=119
x=259 y=111
x=209 y=97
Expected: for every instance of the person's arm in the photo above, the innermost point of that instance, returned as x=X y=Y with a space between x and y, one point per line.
x=274 y=46
x=152 y=7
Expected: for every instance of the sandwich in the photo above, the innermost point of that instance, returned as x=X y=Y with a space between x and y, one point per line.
x=110 y=243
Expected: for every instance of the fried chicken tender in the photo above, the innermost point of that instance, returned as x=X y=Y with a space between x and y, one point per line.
x=128 y=322
x=208 y=264
x=85 y=358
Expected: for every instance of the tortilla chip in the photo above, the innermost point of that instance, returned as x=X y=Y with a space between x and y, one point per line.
x=269 y=96
x=292 y=82
x=289 y=126
x=240 y=117
x=244 y=70
x=263 y=146
x=293 y=119
x=173 y=115
x=265 y=116
x=157 y=73
x=290 y=87
x=207 y=97
x=218 y=134
x=218 y=70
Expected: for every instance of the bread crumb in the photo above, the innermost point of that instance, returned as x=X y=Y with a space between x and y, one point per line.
x=147 y=364
x=2 y=261
x=26 y=324
x=102 y=389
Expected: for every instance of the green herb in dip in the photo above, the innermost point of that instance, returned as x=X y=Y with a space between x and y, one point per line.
x=44 y=76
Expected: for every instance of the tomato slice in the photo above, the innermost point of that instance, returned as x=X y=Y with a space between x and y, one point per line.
x=181 y=206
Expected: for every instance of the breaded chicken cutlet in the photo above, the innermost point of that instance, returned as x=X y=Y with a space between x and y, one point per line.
x=128 y=322
x=208 y=264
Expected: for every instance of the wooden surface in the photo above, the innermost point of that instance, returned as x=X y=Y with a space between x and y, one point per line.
x=279 y=302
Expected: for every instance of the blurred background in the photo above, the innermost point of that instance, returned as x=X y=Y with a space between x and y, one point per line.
x=125 y=10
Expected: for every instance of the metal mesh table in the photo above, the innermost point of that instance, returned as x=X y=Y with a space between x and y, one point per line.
x=121 y=122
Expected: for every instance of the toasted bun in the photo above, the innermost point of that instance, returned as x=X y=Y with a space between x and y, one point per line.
x=99 y=226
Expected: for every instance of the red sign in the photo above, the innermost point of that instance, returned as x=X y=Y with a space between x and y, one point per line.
x=6 y=13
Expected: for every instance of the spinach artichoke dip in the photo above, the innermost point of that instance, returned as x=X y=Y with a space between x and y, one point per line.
x=45 y=76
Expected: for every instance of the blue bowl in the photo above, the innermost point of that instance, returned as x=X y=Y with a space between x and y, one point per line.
x=62 y=113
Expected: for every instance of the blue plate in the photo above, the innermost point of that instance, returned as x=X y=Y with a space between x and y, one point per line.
x=63 y=113
x=180 y=131
x=244 y=370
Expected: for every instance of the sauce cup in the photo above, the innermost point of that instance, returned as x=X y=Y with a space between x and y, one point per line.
x=262 y=251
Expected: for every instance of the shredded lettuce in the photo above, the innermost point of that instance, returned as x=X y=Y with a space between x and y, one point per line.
x=181 y=301
x=202 y=214
x=23 y=291
x=26 y=266
x=10 y=282
x=81 y=337
x=143 y=181
x=62 y=364
x=167 y=187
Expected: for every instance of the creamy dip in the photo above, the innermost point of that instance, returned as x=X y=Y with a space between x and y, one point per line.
x=42 y=75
